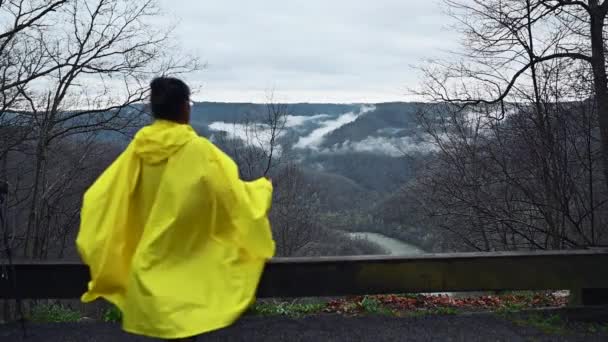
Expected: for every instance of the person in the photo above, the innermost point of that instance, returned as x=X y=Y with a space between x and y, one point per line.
x=171 y=234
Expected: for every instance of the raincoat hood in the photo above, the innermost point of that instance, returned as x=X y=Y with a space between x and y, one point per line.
x=159 y=141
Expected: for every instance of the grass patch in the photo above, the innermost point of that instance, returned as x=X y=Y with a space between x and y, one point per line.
x=291 y=309
x=54 y=313
x=408 y=295
x=552 y=324
x=510 y=308
x=596 y=328
x=112 y=315
x=524 y=294
x=373 y=306
x=433 y=312
x=445 y=311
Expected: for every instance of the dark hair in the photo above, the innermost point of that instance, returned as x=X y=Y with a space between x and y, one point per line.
x=167 y=98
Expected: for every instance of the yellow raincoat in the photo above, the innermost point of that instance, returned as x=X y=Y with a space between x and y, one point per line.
x=173 y=237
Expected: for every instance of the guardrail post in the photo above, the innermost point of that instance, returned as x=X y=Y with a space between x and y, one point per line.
x=595 y=296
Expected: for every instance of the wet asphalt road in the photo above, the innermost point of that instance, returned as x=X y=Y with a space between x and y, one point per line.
x=482 y=327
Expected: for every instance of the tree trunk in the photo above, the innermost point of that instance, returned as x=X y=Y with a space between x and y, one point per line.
x=33 y=211
x=32 y=235
x=600 y=83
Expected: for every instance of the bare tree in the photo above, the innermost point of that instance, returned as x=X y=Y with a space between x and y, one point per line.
x=295 y=211
x=254 y=142
x=94 y=59
x=22 y=62
x=507 y=41
x=510 y=184
x=256 y=147
x=520 y=125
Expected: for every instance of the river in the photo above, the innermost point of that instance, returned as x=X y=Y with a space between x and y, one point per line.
x=398 y=247
x=392 y=246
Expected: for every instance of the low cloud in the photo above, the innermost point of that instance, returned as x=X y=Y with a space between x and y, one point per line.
x=259 y=135
x=293 y=121
x=253 y=134
x=316 y=137
x=393 y=147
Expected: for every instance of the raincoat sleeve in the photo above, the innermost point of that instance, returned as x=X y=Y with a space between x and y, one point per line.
x=244 y=205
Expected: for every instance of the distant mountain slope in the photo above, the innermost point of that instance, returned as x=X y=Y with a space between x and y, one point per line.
x=362 y=143
x=336 y=192
x=373 y=172
x=235 y=112
x=387 y=120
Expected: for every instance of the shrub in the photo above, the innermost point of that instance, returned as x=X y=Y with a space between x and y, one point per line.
x=291 y=309
x=113 y=314
x=54 y=313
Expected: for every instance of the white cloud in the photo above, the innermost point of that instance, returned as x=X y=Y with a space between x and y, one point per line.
x=315 y=138
x=235 y=131
x=394 y=147
x=390 y=130
x=258 y=134
x=254 y=134
x=293 y=121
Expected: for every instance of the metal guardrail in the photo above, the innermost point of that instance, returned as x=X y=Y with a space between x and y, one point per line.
x=584 y=272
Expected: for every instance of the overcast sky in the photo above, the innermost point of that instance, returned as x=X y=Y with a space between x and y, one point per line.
x=309 y=50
